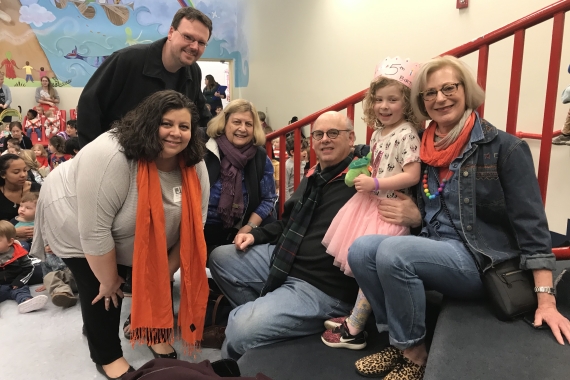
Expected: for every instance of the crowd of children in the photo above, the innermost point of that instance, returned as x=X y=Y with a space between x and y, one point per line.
x=16 y=266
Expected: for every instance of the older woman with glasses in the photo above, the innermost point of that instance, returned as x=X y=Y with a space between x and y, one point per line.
x=479 y=193
x=242 y=190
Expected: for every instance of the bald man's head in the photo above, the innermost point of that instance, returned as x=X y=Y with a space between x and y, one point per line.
x=332 y=150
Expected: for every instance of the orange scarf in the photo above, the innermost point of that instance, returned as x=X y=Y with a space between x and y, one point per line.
x=151 y=314
x=442 y=158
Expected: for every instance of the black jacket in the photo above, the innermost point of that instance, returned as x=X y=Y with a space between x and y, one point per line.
x=123 y=80
x=312 y=263
x=18 y=272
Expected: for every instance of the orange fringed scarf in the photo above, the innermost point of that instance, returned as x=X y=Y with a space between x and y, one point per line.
x=151 y=313
x=442 y=158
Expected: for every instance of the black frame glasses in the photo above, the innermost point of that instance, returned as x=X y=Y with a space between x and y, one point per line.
x=331 y=133
x=447 y=89
x=190 y=40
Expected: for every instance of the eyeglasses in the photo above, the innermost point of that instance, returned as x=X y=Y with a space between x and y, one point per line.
x=190 y=40
x=331 y=133
x=447 y=90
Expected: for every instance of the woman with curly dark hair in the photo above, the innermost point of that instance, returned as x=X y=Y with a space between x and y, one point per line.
x=137 y=196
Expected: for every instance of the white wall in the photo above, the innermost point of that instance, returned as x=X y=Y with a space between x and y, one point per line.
x=307 y=55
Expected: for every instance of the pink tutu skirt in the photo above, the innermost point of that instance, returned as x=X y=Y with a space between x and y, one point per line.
x=358 y=217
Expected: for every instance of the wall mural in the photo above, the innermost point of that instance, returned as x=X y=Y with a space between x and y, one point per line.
x=68 y=39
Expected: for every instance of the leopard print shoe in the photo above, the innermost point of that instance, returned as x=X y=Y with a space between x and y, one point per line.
x=406 y=370
x=379 y=364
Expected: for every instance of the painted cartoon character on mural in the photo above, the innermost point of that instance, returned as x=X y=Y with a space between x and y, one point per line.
x=94 y=61
x=9 y=63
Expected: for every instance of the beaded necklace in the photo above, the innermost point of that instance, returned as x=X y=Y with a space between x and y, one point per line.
x=439 y=188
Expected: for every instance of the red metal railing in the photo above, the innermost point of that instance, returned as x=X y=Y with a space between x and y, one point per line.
x=517 y=29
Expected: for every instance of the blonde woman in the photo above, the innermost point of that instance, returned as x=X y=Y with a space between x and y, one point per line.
x=242 y=189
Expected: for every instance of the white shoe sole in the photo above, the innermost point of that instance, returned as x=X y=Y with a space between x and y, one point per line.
x=32 y=304
x=350 y=346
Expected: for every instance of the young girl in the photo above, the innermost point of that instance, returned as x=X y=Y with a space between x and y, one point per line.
x=33 y=123
x=395 y=165
x=52 y=124
x=41 y=155
x=56 y=147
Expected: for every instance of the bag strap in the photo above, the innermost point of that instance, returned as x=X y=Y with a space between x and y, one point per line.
x=216 y=305
x=458 y=234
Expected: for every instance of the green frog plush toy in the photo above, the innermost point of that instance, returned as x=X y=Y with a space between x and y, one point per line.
x=356 y=168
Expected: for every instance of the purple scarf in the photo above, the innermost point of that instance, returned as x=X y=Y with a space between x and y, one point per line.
x=234 y=159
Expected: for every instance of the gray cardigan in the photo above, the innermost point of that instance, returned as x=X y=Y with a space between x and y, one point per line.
x=8 y=94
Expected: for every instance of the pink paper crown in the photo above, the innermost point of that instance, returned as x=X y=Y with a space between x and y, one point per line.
x=395 y=68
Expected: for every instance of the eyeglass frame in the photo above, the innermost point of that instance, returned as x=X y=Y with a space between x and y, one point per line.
x=327 y=133
x=190 y=40
x=456 y=85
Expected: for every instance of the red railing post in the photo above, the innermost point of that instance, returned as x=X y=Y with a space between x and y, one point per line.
x=482 y=66
x=515 y=88
x=282 y=179
x=550 y=102
x=297 y=159
x=313 y=156
x=350 y=113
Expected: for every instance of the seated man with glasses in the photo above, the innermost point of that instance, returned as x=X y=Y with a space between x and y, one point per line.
x=279 y=277
x=131 y=74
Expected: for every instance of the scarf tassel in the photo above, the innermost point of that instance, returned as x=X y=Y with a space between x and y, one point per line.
x=151 y=336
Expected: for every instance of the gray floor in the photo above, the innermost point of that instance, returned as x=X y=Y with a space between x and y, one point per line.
x=48 y=344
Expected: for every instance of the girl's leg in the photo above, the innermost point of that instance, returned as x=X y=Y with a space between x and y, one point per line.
x=357 y=319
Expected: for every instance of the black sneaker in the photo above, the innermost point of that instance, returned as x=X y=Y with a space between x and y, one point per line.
x=339 y=337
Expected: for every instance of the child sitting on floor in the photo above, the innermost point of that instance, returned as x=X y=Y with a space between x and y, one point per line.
x=41 y=155
x=58 y=280
x=56 y=147
x=26 y=215
x=15 y=270
x=51 y=124
x=72 y=146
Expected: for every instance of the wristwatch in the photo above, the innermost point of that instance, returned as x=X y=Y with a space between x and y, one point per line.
x=545 y=289
x=253 y=226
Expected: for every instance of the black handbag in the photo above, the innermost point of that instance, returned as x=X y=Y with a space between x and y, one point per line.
x=509 y=289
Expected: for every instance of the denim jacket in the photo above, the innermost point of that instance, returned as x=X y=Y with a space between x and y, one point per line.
x=500 y=207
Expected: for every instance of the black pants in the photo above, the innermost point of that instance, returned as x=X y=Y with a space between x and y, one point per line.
x=101 y=325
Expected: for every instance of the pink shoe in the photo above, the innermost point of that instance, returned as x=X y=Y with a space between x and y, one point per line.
x=341 y=338
x=333 y=323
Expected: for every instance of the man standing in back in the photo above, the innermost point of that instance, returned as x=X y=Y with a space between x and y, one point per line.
x=131 y=74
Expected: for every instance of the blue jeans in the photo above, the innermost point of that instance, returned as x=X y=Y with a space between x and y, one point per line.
x=19 y=295
x=38 y=132
x=394 y=272
x=295 y=309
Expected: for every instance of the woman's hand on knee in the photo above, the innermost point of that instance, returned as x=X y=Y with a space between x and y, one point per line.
x=401 y=211
x=110 y=293
x=559 y=324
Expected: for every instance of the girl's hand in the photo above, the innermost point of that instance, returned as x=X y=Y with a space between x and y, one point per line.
x=364 y=184
x=217 y=94
x=41 y=288
x=110 y=292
